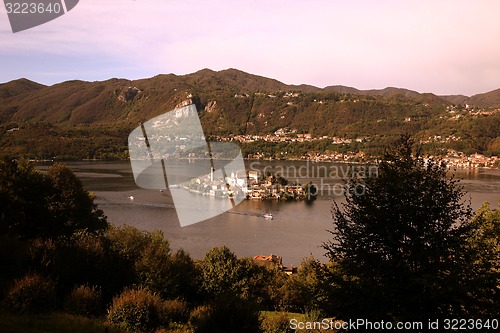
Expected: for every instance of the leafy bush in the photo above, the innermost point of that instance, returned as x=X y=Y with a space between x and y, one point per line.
x=32 y=294
x=220 y=271
x=162 y=271
x=201 y=319
x=136 y=310
x=174 y=311
x=153 y=264
x=277 y=322
x=226 y=314
x=305 y=290
x=13 y=261
x=311 y=316
x=84 y=300
x=176 y=329
x=35 y=204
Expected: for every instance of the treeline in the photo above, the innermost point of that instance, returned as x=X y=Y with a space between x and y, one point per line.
x=46 y=141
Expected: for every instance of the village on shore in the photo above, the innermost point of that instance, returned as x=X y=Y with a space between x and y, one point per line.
x=453 y=158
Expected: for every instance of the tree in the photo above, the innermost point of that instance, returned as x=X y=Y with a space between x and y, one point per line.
x=170 y=274
x=399 y=242
x=84 y=258
x=150 y=263
x=226 y=275
x=483 y=245
x=70 y=205
x=259 y=283
x=220 y=271
x=305 y=290
x=36 y=204
x=228 y=283
x=23 y=192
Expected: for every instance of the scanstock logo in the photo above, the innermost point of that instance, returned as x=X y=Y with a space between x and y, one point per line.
x=27 y=14
x=205 y=179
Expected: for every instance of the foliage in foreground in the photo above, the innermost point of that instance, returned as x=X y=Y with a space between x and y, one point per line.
x=84 y=300
x=35 y=204
x=53 y=323
x=401 y=246
x=406 y=249
x=32 y=294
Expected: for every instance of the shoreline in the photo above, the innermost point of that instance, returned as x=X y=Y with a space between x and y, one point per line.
x=260 y=159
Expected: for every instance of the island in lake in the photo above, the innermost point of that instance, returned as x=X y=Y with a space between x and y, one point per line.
x=251 y=185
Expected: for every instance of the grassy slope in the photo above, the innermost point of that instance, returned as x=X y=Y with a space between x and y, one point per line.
x=53 y=323
x=66 y=323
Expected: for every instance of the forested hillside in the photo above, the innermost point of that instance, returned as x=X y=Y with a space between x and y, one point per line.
x=77 y=119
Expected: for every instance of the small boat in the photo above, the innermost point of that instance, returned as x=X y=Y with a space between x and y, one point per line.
x=267 y=216
x=175 y=186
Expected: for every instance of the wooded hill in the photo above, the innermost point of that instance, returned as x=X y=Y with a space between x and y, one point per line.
x=77 y=119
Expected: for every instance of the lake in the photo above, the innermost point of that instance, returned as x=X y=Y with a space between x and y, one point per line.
x=297 y=230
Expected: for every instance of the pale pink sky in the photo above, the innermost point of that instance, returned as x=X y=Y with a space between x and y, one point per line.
x=445 y=47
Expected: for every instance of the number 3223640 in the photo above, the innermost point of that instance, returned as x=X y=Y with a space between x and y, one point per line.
x=32 y=7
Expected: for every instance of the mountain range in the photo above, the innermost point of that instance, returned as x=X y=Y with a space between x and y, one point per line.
x=230 y=102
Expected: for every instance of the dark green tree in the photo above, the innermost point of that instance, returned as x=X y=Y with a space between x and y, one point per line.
x=304 y=291
x=228 y=283
x=220 y=272
x=224 y=274
x=70 y=206
x=170 y=274
x=483 y=244
x=36 y=204
x=23 y=205
x=153 y=265
x=399 y=243
x=259 y=283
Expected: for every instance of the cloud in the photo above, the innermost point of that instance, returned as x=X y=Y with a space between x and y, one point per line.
x=444 y=46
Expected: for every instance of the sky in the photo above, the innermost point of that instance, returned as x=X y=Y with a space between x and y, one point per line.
x=443 y=47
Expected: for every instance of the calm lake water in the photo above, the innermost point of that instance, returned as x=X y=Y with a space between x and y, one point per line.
x=297 y=230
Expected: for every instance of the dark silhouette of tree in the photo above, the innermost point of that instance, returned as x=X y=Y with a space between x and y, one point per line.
x=71 y=207
x=23 y=209
x=483 y=244
x=399 y=243
x=36 y=204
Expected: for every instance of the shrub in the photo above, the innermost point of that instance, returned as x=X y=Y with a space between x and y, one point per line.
x=305 y=290
x=32 y=294
x=311 y=316
x=179 y=329
x=94 y=262
x=147 y=261
x=278 y=322
x=174 y=311
x=201 y=319
x=136 y=310
x=13 y=261
x=226 y=314
x=47 y=205
x=84 y=300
